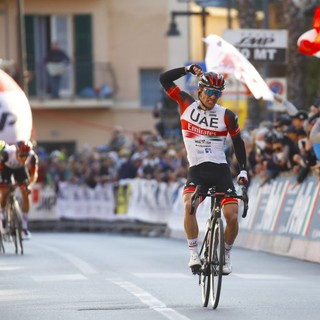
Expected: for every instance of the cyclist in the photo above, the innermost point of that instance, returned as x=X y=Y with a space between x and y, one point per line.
x=205 y=126
x=19 y=161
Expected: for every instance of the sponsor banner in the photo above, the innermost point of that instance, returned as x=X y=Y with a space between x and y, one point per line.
x=277 y=208
x=301 y=206
x=259 y=45
x=270 y=209
x=281 y=208
x=150 y=201
x=43 y=203
x=81 y=202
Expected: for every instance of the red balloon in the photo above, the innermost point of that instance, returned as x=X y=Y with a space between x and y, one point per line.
x=309 y=48
x=309 y=42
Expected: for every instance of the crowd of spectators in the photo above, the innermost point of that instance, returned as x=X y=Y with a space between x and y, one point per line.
x=145 y=155
x=288 y=144
x=285 y=145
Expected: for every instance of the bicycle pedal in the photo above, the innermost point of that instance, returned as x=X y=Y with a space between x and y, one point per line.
x=196 y=269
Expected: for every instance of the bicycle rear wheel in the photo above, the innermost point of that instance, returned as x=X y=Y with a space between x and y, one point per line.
x=1 y=244
x=216 y=261
x=16 y=229
x=204 y=276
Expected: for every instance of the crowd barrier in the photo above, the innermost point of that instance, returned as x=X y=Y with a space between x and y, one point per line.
x=281 y=219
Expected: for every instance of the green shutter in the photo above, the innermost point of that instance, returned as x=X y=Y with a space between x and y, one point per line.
x=83 y=52
x=31 y=61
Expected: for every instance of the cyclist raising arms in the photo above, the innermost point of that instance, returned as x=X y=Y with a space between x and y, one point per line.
x=205 y=126
x=20 y=162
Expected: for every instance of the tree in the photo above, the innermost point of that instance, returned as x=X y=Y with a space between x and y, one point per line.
x=293 y=20
x=247 y=14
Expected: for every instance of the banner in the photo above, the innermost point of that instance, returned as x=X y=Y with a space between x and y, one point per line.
x=15 y=111
x=224 y=58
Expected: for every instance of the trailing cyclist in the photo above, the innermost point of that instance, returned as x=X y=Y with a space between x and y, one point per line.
x=205 y=126
x=18 y=164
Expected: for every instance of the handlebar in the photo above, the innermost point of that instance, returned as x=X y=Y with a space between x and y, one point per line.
x=212 y=193
x=15 y=185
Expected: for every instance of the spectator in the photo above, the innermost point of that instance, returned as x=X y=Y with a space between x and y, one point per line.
x=315 y=138
x=288 y=106
x=281 y=154
x=56 y=62
x=290 y=138
x=305 y=159
x=118 y=140
x=299 y=119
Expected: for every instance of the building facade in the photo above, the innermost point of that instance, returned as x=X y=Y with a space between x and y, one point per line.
x=117 y=49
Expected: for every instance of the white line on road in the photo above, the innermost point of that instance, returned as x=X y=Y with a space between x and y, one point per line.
x=253 y=276
x=82 y=265
x=10 y=268
x=17 y=295
x=146 y=298
x=161 y=275
x=59 y=277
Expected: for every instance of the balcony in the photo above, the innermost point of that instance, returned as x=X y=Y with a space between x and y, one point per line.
x=83 y=85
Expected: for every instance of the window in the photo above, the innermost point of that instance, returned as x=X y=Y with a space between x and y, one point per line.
x=150 y=88
x=74 y=35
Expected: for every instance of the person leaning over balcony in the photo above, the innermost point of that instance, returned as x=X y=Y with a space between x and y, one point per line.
x=205 y=126
x=56 y=62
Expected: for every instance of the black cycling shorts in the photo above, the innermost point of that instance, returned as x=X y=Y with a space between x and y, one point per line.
x=208 y=174
x=20 y=175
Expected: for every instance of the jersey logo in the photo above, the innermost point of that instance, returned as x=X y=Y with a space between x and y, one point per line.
x=211 y=122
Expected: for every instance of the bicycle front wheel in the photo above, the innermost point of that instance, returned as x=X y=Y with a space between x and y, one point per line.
x=216 y=261
x=1 y=244
x=204 y=276
x=16 y=230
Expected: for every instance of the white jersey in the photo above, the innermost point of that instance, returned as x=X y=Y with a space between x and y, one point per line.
x=204 y=134
x=204 y=131
x=12 y=161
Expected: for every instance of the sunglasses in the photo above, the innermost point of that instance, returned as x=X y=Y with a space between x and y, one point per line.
x=211 y=92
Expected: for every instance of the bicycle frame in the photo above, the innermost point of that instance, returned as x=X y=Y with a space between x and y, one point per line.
x=14 y=220
x=212 y=248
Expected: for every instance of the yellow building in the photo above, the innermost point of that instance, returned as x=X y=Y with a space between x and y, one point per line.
x=112 y=44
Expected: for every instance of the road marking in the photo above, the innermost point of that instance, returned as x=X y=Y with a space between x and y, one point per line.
x=59 y=277
x=82 y=265
x=253 y=276
x=151 y=301
x=14 y=295
x=10 y=268
x=161 y=275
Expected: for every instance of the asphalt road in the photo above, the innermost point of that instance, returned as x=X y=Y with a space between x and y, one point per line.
x=116 y=276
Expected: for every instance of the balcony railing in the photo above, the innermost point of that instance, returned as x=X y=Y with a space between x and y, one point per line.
x=80 y=81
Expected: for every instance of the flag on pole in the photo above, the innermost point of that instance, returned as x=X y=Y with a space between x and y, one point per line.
x=223 y=57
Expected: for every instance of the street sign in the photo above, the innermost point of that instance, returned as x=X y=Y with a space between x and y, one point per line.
x=259 y=45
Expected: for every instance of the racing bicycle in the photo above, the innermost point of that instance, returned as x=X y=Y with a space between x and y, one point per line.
x=1 y=244
x=14 y=221
x=212 y=248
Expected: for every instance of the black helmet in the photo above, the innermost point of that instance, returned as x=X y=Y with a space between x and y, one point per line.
x=282 y=120
x=24 y=147
x=212 y=80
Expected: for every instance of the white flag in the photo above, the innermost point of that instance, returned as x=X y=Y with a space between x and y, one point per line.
x=223 y=57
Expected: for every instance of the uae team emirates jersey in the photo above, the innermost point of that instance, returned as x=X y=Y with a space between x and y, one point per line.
x=10 y=160
x=204 y=132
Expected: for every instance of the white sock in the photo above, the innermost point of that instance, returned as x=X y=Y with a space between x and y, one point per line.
x=24 y=220
x=227 y=248
x=3 y=214
x=193 y=245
